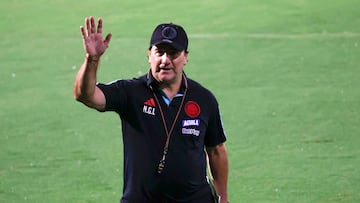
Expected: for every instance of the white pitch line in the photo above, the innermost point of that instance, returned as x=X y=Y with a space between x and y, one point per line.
x=276 y=35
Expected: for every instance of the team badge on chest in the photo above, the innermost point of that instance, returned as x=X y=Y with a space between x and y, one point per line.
x=192 y=109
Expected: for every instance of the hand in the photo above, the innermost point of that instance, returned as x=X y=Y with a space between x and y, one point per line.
x=94 y=44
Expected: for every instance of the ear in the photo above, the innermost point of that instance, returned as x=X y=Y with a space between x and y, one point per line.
x=148 y=55
x=186 y=58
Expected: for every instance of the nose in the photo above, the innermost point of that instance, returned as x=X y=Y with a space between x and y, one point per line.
x=165 y=58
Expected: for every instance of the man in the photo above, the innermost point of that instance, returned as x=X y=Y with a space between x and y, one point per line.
x=169 y=122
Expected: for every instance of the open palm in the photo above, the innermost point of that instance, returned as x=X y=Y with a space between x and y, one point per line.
x=94 y=43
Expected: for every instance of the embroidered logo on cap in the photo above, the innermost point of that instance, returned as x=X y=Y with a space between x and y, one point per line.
x=192 y=109
x=169 y=33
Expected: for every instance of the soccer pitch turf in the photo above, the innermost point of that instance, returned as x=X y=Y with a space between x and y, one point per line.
x=285 y=73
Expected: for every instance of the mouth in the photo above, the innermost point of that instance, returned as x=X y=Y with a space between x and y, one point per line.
x=163 y=69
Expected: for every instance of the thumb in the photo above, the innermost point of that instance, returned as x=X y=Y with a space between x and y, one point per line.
x=107 y=39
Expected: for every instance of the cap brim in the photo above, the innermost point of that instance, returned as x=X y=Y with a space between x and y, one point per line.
x=171 y=43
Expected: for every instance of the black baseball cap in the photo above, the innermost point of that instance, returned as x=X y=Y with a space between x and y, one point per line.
x=172 y=34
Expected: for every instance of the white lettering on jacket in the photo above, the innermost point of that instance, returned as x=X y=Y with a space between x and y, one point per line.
x=187 y=131
x=194 y=122
x=149 y=110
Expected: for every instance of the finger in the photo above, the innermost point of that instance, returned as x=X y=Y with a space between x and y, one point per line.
x=92 y=24
x=82 y=30
x=107 y=39
x=87 y=24
x=99 y=29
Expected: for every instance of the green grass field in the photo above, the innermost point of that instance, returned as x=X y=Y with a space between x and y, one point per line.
x=286 y=74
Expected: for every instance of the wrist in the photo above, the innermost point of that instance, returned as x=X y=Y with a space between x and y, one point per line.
x=92 y=58
x=223 y=200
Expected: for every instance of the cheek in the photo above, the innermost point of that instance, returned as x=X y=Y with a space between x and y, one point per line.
x=153 y=61
x=180 y=61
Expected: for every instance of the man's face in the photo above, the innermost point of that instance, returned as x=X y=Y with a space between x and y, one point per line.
x=166 y=63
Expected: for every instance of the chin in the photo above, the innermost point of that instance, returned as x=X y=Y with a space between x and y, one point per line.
x=166 y=80
x=166 y=77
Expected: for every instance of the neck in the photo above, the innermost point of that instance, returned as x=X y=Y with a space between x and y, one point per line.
x=172 y=88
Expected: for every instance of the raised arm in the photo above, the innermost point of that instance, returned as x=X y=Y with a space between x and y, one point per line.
x=219 y=167
x=85 y=89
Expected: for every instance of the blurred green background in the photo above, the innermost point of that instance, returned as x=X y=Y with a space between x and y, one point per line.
x=286 y=75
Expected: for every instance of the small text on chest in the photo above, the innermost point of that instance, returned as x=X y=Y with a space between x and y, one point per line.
x=149 y=110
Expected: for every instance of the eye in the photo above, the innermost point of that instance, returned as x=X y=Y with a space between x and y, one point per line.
x=159 y=52
x=174 y=54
